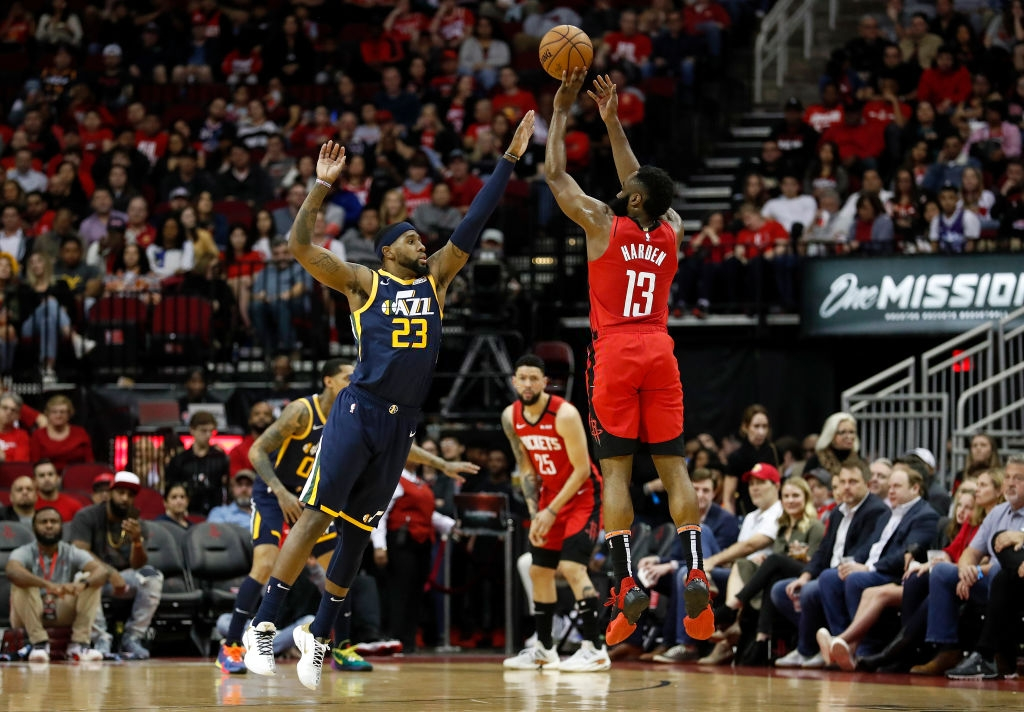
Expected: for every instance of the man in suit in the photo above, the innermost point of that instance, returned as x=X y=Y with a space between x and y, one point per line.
x=848 y=533
x=910 y=525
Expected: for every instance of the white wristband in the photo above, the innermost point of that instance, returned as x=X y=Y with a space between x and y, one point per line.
x=324 y=183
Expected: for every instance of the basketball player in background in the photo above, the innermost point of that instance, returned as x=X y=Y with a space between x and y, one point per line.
x=396 y=315
x=562 y=489
x=635 y=393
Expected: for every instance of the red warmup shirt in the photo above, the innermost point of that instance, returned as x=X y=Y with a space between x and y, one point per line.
x=710 y=12
x=14 y=443
x=76 y=447
x=414 y=509
x=549 y=455
x=936 y=87
x=464 y=192
x=821 y=118
x=65 y=505
x=881 y=111
x=520 y=102
x=757 y=241
x=866 y=140
x=629 y=48
x=631 y=281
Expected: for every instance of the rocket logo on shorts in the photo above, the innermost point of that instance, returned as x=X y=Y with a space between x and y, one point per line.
x=595 y=430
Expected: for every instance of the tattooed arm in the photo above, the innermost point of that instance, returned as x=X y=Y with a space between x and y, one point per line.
x=294 y=419
x=350 y=279
x=529 y=481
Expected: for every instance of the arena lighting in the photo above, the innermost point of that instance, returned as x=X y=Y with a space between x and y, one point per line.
x=225 y=442
x=961 y=363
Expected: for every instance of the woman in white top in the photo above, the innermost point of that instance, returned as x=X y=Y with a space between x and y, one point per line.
x=483 y=54
x=171 y=254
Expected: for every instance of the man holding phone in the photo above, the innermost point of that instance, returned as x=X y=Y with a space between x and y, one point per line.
x=112 y=532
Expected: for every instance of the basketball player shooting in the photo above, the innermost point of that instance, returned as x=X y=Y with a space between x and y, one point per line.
x=633 y=377
x=396 y=315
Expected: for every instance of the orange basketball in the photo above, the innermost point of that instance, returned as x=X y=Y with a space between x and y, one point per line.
x=564 y=48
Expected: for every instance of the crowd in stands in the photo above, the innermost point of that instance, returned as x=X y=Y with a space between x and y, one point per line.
x=163 y=150
x=914 y=147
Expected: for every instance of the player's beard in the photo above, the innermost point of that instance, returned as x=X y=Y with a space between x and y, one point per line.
x=619 y=206
x=530 y=401
x=421 y=270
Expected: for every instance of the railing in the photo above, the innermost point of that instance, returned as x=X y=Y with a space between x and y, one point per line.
x=980 y=373
x=784 y=20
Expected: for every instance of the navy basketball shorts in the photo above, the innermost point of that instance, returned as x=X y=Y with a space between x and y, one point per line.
x=268 y=527
x=363 y=450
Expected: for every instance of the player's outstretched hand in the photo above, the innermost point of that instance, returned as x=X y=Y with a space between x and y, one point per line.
x=524 y=132
x=606 y=97
x=331 y=162
x=455 y=470
x=566 y=95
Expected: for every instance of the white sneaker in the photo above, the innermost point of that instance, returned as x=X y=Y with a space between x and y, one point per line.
x=39 y=653
x=824 y=638
x=258 y=642
x=792 y=659
x=81 y=345
x=83 y=653
x=814 y=662
x=587 y=659
x=535 y=658
x=311 y=664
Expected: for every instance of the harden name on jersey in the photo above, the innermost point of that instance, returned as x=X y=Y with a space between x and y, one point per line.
x=636 y=251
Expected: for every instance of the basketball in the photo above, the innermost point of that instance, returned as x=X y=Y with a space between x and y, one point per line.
x=563 y=49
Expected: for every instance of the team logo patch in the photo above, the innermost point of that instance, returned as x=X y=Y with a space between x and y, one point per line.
x=393 y=409
x=367 y=518
x=595 y=430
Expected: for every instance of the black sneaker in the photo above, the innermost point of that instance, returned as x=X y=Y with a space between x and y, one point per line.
x=974 y=667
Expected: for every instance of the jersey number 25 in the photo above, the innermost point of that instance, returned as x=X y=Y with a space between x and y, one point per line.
x=640 y=288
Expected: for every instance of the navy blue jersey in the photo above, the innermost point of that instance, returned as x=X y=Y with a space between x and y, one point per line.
x=293 y=461
x=398 y=332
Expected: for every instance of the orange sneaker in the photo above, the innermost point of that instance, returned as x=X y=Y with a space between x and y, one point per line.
x=700 y=620
x=627 y=606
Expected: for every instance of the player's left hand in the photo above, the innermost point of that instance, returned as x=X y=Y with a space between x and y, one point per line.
x=540 y=526
x=606 y=97
x=331 y=162
x=455 y=470
x=524 y=132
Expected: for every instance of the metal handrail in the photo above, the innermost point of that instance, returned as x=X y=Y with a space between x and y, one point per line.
x=784 y=20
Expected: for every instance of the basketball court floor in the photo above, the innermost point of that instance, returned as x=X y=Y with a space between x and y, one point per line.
x=414 y=684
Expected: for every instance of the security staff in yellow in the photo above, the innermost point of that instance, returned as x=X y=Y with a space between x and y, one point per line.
x=396 y=316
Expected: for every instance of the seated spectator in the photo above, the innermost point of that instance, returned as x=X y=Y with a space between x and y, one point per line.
x=45 y=306
x=138 y=228
x=974 y=197
x=954 y=230
x=404 y=106
x=187 y=176
x=451 y=25
x=918 y=45
x=825 y=171
x=48 y=486
x=820 y=481
x=276 y=162
x=289 y=54
x=769 y=165
x=172 y=254
x=511 y=96
x=708 y=19
x=870 y=182
x=946 y=84
x=484 y=53
x=255 y=129
x=25 y=174
x=14 y=443
x=12 y=236
x=796 y=139
x=549 y=14
x=101 y=487
x=84 y=281
x=278 y=293
x=203 y=468
x=243 y=64
x=95 y=226
x=437 y=219
x=60 y=441
x=23 y=502
x=241 y=265
x=260 y=417
x=242 y=180
x=860 y=142
x=790 y=208
x=132 y=277
x=68 y=593
x=59 y=26
x=239 y=510
x=464 y=184
x=358 y=241
x=996 y=140
x=821 y=117
x=698 y=273
x=176 y=506
x=906 y=209
x=112 y=532
x=872 y=230
x=627 y=47
x=753 y=191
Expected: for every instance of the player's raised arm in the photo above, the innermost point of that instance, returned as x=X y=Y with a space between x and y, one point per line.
x=607 y=99
x=590 y=214
x=350 y=279
x=446 y=262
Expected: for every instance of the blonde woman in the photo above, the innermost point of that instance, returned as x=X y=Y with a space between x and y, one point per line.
x=47 y=304
x=800 y=535
x=392 y=208
x=837 y=443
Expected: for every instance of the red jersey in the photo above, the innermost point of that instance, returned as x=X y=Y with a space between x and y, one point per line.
x=760 y=241
x=549 y=455
x=631 y=281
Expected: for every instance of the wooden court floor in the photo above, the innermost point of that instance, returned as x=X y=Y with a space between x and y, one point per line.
x=436 y=684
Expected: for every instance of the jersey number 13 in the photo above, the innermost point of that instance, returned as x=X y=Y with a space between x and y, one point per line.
x=639 y=293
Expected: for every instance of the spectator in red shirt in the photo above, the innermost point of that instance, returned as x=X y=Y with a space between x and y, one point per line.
x=821 y=117
x=13 y=440
x=885 y=107
x=260 y=417
x=762 y=257
x=860 y=142
x=699 y=271
x=512 y=97
x=48 y=483
x=464 y=184
x=451 y=25
x=404 y=25
x=314 y=133
x=627 y=46
x=946 y=84
x=60 y=441
x=380 y=50
x=150 y=141
x=709 y=19
x=243 y=64
x=631 y=101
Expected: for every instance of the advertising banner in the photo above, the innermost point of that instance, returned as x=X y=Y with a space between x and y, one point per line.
x=913 y=294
